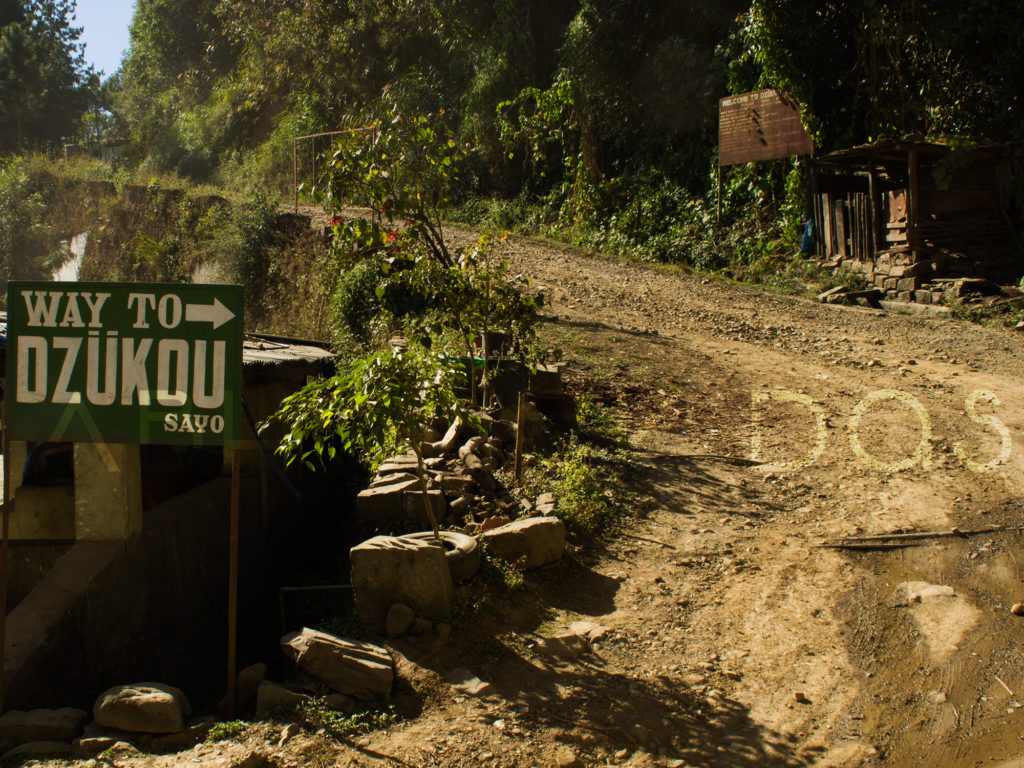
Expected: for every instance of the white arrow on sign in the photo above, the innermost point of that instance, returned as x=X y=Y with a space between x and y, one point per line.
x=215 y=313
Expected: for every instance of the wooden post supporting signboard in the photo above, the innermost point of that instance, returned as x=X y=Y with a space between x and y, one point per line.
x=520 y=438
x=718 y=199
x=295 y=172
x=5 y=567
x=236 y=467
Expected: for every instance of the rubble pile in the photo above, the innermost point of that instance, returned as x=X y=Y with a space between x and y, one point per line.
x=899 y=283
x=461 y=465
x=126 y=718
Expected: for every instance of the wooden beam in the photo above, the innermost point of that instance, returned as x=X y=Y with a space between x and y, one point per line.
x=839 y=208
x=816 y=213
x=913 y=195
x=827 y=225
x=876 y=216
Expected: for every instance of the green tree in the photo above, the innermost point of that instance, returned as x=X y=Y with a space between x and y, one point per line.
x=883 y=68
x=377 y=403
x=45 y=84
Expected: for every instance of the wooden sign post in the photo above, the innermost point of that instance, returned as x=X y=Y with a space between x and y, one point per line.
x=125 y=363
x=5 y=533
x=761 y=125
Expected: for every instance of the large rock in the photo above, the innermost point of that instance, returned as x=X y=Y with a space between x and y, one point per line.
x=17 y=727
x=494 y=457
x=472 y=446
x=384 y=503
x=536 y=540
x=249 y=680
x=400 y=618
x=142 y=708
x=447 y=443
x=504 y=431
x=388 y=570
x=547 y=380
x=37 y=750
x=455 y=485
x=397 y=477
x=471 y=461
x=272 y=698
x=414 y=507
x=363 y=670
x=179 y=742
x=397 y=464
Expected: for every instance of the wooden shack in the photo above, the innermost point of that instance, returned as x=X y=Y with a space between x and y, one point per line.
x=917 y=216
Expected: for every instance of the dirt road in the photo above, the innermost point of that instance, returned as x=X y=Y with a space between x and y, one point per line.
x=730 y=638
x=809 y=642
x=736 y=641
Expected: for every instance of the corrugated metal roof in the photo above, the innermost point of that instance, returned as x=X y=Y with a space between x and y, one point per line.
x=259 y=349
x=896 y=151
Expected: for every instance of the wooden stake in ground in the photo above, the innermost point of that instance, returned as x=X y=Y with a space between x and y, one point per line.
x=518 y=465
x=428 y=508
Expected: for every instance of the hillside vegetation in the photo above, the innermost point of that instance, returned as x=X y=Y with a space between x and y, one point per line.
x=594 y=120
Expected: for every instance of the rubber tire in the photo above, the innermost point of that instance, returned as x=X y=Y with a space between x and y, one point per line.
x=461 y=551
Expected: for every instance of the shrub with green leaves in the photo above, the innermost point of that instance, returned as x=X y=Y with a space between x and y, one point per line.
x=505 y=576
x=577 y=477
x=377 y=404
x=355 y=305
x=26 y=240
x=595 y=422
x=404 y=168
x=230 y=729
x=579 y=488
x=316 y=714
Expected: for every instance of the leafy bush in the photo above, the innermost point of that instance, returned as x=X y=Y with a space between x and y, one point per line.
x=595 y=422
x=354 y=304
x=404 y=167
x=579 y=489
x=156 y=260
x=376 y=404
x=501 y=574
x=574 y=474
x=227 y=730
x=253 y=229
x=519 y=214
x=26 y=240
x=316 y=714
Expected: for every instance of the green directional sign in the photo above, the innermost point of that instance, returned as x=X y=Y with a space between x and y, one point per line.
x=124 y=362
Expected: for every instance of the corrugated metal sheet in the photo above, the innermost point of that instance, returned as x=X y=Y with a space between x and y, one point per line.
x=277 y=350
x=257 y=349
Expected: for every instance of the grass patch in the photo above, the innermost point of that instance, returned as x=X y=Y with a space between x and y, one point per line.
x=584 y=473
x=1004 y=315
x=578 y=477
x=500 y=574
x=316 y=714
x=230 y=729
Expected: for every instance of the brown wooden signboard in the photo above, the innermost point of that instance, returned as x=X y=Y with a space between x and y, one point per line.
x=762 y=125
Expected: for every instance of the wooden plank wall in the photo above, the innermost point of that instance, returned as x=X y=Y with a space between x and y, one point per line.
x=848 y=225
